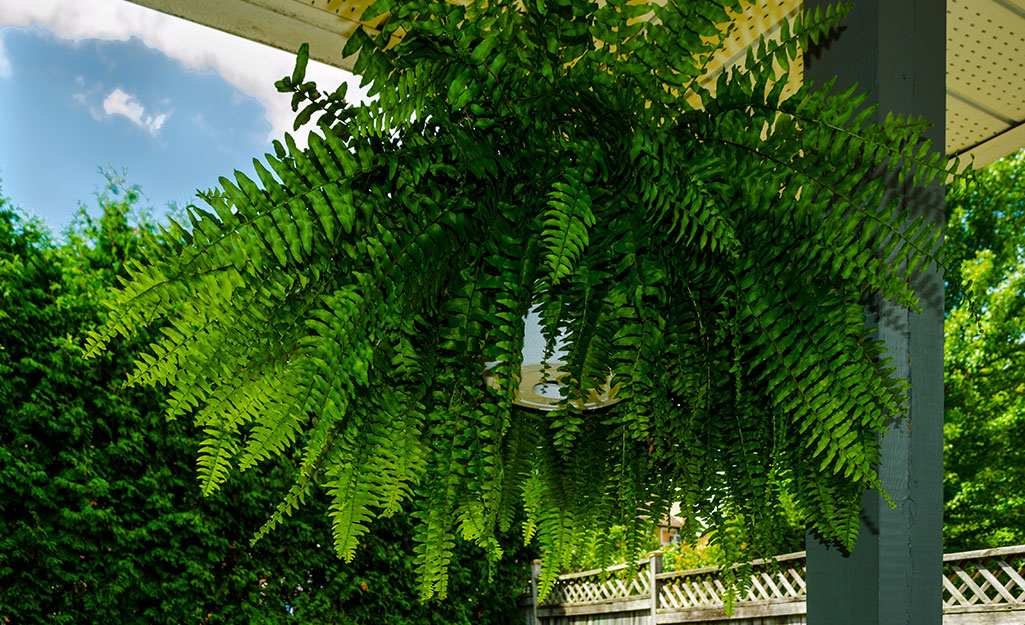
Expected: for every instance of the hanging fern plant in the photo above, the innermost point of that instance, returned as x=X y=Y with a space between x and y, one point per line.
x=706 y=244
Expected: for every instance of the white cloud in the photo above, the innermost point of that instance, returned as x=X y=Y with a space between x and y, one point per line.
x=120 y=103
x=250 y=67
x=5 y=64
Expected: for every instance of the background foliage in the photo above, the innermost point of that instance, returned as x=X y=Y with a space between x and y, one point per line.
x=984 y=366
x=102 y=519
x=984 y=432
x=691 y=235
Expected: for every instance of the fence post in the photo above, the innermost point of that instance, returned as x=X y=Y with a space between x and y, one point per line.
x=535 y=572
x=654 y=568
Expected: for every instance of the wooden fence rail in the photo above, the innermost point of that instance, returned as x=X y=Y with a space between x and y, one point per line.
x=979 y=588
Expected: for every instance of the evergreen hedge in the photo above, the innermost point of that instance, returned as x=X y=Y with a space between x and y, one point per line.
x=102 y=519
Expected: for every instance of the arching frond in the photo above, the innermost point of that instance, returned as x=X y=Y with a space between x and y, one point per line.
x=702 y=243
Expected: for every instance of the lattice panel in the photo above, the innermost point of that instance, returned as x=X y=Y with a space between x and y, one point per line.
x=786 y=582
x=700 y=589
x=974 y=581
x=986 y=580
x=692 y=591
x=599 y=587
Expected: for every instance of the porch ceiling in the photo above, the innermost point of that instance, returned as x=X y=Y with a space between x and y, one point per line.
x=985 y=53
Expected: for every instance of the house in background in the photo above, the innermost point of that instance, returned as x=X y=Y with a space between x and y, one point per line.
x=669 y=527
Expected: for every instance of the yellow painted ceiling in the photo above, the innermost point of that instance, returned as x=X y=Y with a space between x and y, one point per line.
x=985 y=53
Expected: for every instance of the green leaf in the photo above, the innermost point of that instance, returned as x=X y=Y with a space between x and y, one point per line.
x=301 y=59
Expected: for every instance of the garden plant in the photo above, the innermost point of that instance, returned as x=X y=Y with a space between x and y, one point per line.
x=703 y=241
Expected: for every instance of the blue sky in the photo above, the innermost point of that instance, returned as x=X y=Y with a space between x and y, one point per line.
x=173 y=114
x=69 y=108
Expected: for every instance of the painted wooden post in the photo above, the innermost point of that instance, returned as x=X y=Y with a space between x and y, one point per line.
x=897 y=49
x=535 y=573
x=654 y=568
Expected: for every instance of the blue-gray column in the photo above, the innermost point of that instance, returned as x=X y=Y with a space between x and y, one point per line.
x=896 y=49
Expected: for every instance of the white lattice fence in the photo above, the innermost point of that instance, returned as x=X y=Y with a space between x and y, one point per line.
x=992 y=577
x=978 y=587
x=779 y=579
x=693 y=589
x=618 y=582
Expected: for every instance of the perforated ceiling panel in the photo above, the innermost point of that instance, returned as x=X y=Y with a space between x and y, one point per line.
x=985 y=77
x=966 y=123
x=985 y=70
x=985 y=52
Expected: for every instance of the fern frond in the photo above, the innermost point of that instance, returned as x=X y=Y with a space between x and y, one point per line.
x=566 y=224
x=700 y=242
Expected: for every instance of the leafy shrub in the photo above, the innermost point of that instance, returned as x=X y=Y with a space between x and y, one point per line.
x=102 y=519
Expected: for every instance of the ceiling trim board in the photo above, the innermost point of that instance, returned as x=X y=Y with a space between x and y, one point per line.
x=284 y=25
x=1012 y=7
x=996 y=148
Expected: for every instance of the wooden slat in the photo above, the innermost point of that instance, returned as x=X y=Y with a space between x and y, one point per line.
x=996 y=585
x=598 y=572
x=672 y=597
x=790 y=590
x=984 y=553
x=771 y=585
x=955 y=593
x=756 y=592
x=743 y=612
x=634 y=604
x=799 y=579
x=1017 y=579
x=979 y=594
x=697 y=597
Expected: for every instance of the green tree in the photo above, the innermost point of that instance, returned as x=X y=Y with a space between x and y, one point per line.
x=984 y=431
x=705 y=241
x=102 y=519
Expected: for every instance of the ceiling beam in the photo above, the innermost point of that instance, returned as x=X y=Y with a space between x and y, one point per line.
x=284 y=24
